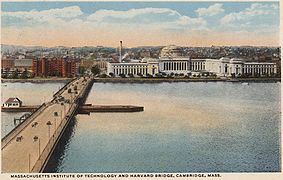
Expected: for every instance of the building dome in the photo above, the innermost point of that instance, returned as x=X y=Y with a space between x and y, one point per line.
x=171 y=51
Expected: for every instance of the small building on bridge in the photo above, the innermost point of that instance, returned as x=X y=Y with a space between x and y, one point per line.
x=13 y=102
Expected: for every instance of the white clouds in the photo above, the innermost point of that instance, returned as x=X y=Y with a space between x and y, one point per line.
x=45 y=16
x=162 y=17
x=155 y=17
x=197 y=23
x=211 y=10
x=255 y=14
x=107 y=15
x=142 y=22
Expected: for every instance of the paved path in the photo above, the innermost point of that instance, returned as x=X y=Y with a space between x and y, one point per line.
x=21 y=156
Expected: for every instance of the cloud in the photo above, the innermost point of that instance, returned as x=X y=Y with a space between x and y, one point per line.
x=141 y=26
x=257 y=13
x=51 y=16
x=146 y=16
x=211 y=10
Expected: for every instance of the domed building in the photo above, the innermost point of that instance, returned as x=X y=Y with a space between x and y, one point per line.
x=172 y=60
x=171 y=51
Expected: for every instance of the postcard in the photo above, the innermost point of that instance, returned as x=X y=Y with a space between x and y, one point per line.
x=140 y=89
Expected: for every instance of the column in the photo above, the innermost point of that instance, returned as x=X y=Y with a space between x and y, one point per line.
x=166 y=66
x=186 y=66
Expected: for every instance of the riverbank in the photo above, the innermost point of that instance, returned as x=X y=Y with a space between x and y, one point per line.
x=36 y=80
x=145 y=80
x=160 y=80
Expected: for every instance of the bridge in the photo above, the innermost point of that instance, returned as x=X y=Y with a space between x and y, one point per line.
x=28 y=147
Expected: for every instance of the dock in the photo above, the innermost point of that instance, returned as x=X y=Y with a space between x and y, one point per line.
x=30 y=108
x=37 y=136
x=28 y=147
x=83 y=109
x=109 y=108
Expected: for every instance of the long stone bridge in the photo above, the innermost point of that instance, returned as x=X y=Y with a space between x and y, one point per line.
x=28 y=147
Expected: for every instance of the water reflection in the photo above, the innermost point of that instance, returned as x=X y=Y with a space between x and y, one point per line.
x=59 y=153
x=186 y=127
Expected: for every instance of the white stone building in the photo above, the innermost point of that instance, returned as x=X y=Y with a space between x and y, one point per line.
x=229 y=67
x=173 y=61
x=132 y=68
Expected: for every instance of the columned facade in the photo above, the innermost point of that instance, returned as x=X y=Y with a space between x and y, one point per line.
x=174 y=65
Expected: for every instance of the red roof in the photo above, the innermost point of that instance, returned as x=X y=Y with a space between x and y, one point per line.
x=11 y=100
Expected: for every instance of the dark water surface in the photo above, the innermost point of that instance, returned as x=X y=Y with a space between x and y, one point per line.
x=186 y=127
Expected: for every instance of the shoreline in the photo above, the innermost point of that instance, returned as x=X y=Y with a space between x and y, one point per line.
x=145 y=80
x=36 y=80
x=172 y=80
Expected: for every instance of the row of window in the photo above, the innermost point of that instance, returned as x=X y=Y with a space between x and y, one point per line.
x=260 y=66
x=175 y=66
x=135 y=71
x=128 y=66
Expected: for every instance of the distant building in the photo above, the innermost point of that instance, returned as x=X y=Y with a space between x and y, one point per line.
x=173 y=61
x=132 y=68
x=61 y=67
x=7 y=63
x=23 y=64
x=236 y=67
x=13 y=102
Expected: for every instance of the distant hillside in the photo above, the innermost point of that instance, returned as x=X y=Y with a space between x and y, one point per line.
x=14 y=48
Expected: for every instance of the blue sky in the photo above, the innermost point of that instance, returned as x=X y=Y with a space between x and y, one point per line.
x=192 y=23
x=186 y=8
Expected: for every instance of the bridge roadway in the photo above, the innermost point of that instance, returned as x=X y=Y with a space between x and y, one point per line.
x=20 y=155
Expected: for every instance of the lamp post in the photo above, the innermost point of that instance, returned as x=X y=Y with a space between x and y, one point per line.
x=55 y=115
x=49 y=124
x=29 y=163
x=35 y=138
x=62 y=104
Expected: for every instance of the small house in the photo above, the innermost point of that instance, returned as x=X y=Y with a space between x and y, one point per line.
x=13 y=102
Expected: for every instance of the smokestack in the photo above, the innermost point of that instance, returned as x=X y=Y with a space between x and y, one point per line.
x=120 y=52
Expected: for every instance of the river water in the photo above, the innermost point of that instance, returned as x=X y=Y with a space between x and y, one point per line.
x=185 y=127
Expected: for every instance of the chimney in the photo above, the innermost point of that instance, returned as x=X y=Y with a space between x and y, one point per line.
x=120 y=52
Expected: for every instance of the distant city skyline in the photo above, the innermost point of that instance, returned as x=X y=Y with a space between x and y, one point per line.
x=75 y=24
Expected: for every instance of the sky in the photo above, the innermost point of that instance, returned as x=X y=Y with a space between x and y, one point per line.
x=76 y=24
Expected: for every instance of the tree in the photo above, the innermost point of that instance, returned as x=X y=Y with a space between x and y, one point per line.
x=103 y=76
x=140 y=75
x=15 y=75
x=122 y=75
x=149 y=75
x=95 y=70
x=111 y=74
x=82 y=70
x=24 y=74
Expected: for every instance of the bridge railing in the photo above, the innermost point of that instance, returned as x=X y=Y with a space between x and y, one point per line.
x=50 y=146
x=62 y=89
x=12 y=134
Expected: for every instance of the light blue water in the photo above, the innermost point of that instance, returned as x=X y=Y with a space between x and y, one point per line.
x=30 y=94
x=186 y=127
